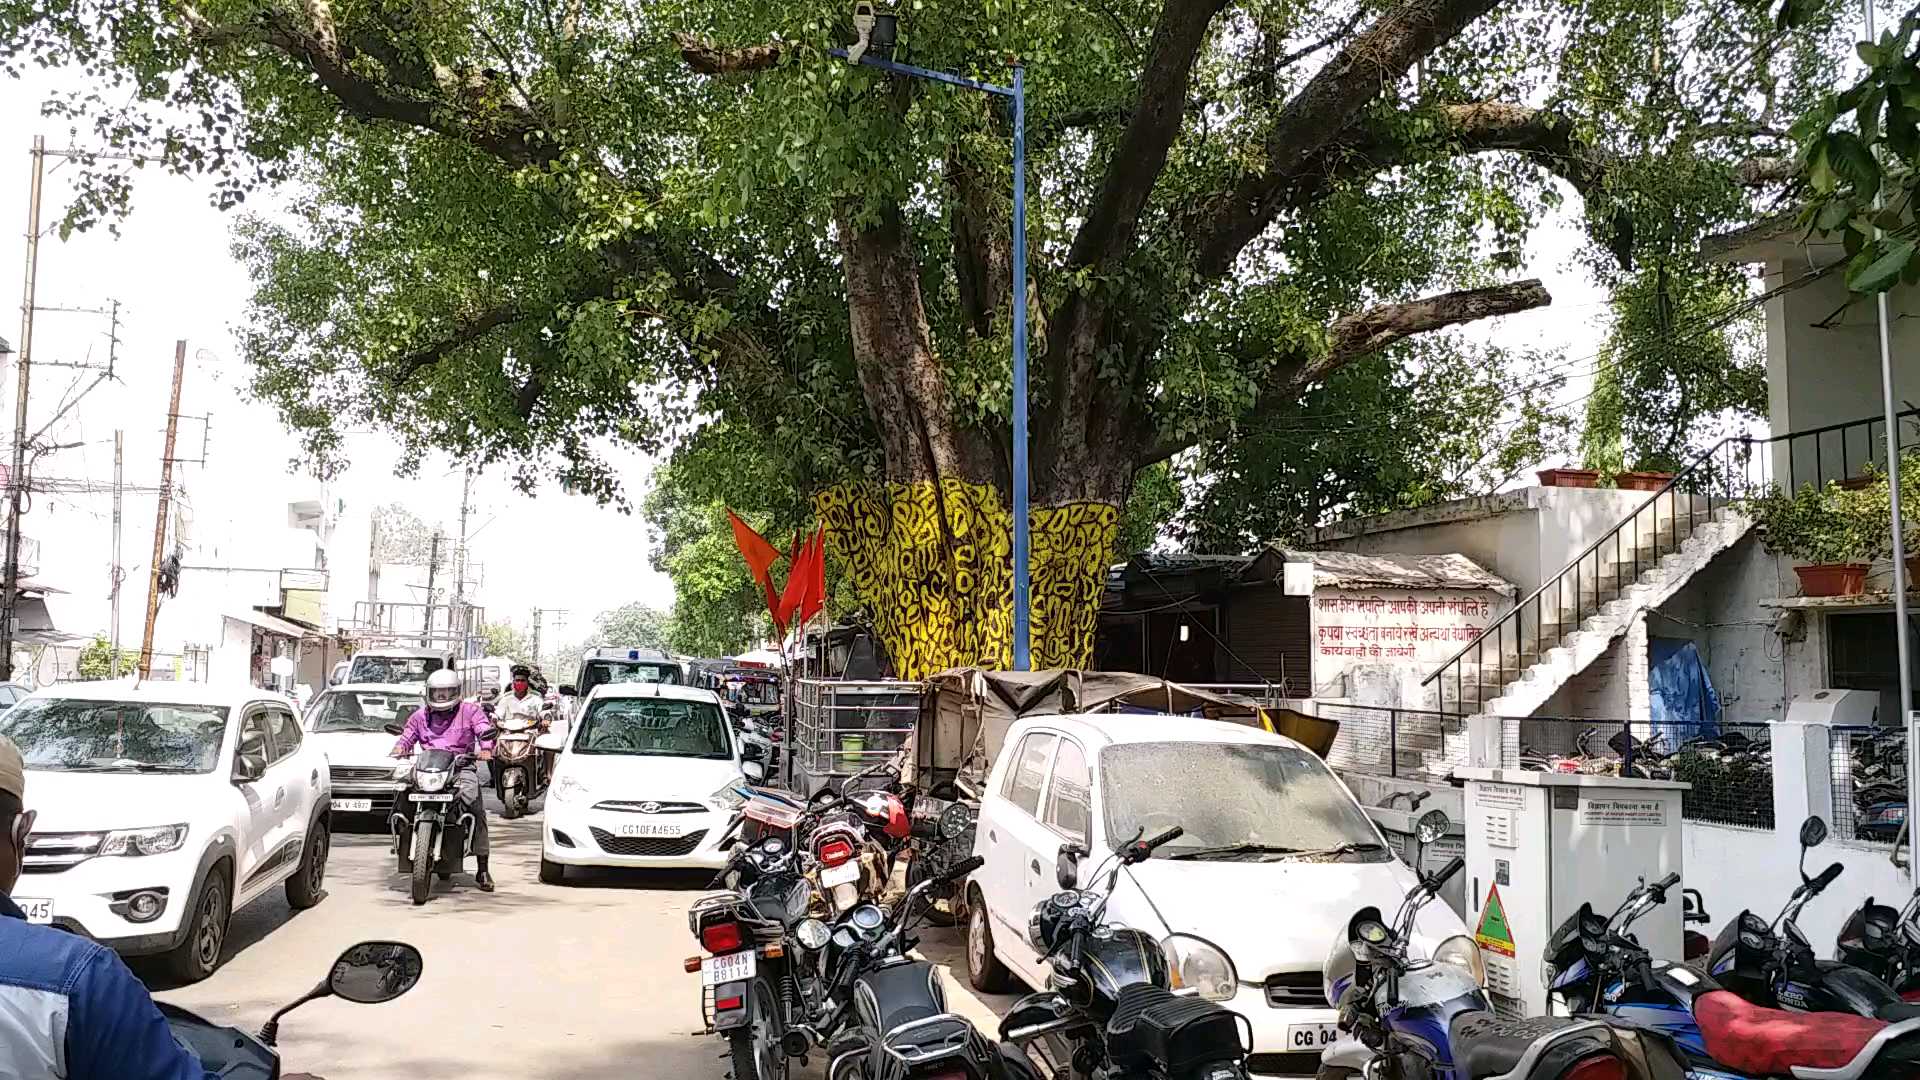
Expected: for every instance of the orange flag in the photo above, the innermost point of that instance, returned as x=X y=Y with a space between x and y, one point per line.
x=796 y=590
x=760 y=557
x=815 y=597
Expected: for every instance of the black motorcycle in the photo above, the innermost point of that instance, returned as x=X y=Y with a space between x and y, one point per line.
x=427 y=834
x=368 y=973
x=1885 y=942
x=1109 y=1007
x=1778 y=969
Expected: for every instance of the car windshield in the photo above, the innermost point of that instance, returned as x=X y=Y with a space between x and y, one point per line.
x=393 y=669
x=602 y=672
x=1234 y=801
x=653 y=726
x=76 y=735
x=361 y=710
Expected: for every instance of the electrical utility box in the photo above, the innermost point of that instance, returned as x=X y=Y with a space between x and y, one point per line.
x=1540 y=844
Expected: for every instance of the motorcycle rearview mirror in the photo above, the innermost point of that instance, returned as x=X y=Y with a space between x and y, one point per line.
x=368 y=973
x=1813 y=833
x=1066 y=866
x=1431 y=826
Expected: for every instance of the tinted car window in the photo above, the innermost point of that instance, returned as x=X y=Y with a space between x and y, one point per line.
x=654 y=727
x=1029 y=770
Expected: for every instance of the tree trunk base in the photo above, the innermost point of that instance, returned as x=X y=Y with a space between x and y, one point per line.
x=934 y=562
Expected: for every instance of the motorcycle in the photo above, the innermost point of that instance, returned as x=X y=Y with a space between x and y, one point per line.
x=426 y=836
x=764 y=951
x=1885 y=942
x=369 y=973
x=1777 y=968
x=900 y=1027
x=1110 y=1009
x=519 y=767
x=1395 y=1009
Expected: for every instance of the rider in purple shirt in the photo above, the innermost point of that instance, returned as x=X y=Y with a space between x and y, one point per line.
x=447 y=723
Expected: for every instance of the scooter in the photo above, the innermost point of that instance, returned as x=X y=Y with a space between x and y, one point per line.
x=519 y=766
x=369 y=973
x=427 y=835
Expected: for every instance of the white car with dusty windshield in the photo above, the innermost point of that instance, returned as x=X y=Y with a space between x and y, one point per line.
x=1275 y=858
x=353 y=726
x=647 y=779
x=163 y=808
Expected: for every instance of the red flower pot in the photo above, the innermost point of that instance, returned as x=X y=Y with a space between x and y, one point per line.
x=1642 y=481
x=1832 y=579
x=1580 y=478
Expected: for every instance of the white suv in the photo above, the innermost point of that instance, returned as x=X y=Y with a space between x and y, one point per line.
x=163 y=807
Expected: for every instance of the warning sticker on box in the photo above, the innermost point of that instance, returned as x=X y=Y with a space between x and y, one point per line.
x=1501 y=796
x=1616 y=811
x=1494 y=935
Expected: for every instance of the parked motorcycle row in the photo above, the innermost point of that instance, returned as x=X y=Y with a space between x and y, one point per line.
x=1651 y=758
x=1756 y=1003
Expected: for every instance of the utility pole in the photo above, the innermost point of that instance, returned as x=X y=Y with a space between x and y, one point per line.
x=17 y=477
x=433 y=571
x=460 y=563
x=160 y=515
x=536 y=635
x=119 y=572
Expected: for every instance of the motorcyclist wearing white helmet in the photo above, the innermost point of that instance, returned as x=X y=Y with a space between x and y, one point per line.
x=447 y=723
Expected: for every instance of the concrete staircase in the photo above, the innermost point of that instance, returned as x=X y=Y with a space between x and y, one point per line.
x=1532 y=652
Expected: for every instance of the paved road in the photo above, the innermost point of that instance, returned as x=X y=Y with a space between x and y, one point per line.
x=574 y=982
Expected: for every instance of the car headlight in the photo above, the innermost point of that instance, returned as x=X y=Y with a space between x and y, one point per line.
x=567 y=789
x=155 y=841
x=430 y=780
x=1200 y=966
x=726 y=798
x=1461 y=951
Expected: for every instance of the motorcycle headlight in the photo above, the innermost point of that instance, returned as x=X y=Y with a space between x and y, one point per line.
x=1462 y=952
x=726 y=798
x=1201 y=967
x=430 y=780
x=567 y=789
x=403 y=771
x=155 y=841
x=813 y=934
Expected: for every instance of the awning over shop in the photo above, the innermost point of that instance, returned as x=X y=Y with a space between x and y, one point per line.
x=270 y=623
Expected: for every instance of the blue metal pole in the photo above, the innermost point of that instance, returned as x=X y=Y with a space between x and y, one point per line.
x=1021 y=515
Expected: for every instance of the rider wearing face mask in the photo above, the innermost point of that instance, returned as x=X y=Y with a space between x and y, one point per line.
x=73 y=1010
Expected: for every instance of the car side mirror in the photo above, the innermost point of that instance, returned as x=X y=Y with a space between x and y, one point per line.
x=248 y=768
x=1066 y=866
x=567 y=690
x=753 y=771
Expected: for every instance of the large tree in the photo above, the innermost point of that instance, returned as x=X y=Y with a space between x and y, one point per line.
x=524 y=227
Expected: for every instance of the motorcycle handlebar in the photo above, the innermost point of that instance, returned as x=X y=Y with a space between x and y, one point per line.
x=1826 y=877
x=960 y=869
x=1454 y=866
x=1167 y=837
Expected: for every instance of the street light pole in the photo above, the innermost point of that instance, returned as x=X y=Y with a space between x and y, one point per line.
x=1022 y=515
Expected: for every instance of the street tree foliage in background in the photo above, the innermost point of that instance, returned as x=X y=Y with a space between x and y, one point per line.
x=508 y=640
x=96 y=660
x=518 y=230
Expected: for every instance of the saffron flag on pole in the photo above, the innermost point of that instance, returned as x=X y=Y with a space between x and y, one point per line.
x=760 y=557
x=815 y=597
x=795 y=593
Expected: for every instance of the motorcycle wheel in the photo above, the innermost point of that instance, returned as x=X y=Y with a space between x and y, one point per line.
x=755 y=1049
x=423 y=860
x=517 y=802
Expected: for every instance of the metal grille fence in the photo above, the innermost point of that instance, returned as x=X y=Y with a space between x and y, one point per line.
x=1729 y=765
x=1869 y=770
x=1374 y=738
x=841 y=727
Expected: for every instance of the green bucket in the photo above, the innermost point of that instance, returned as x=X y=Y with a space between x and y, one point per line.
x=852 y=747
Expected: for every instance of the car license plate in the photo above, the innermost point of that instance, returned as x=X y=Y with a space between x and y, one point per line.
x=732 y=967
x=352 y=806
x=650 y=830
x=1311 y=1036
x=38 y=911
x=433 y=798
x=839 y=875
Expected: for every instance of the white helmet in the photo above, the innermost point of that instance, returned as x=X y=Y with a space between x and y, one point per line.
x=443 y=691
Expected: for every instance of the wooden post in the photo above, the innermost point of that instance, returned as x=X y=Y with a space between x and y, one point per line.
x=160 y=515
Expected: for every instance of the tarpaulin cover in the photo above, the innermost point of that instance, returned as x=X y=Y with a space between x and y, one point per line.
x=1684 y=702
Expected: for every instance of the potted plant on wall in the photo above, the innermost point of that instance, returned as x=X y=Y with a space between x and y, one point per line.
x=1866 y=499
x=1820 y=527
x=1649 y=477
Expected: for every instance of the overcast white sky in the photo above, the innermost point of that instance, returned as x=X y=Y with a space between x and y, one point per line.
x=172 y=272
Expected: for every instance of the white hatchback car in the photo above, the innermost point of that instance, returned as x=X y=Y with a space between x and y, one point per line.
x=1275 y=858
x=349 y=724
x=647 y=779
x=163 y=808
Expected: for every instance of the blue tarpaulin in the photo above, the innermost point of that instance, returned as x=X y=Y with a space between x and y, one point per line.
x=1684 y=702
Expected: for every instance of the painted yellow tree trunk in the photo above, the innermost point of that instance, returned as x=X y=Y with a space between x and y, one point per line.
x=934 y=563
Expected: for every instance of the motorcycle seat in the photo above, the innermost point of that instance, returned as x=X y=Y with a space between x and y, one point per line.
x=1487 y=1045
x=1770 y=1042
x=1154 y=1030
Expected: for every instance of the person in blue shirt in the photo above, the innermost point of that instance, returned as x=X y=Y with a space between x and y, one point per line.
x=69 y=1008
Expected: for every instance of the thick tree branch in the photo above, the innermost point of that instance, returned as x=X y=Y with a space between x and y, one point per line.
x=1321 y=114
x=475 y=329
x=703 y=56
x=1353 y=336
